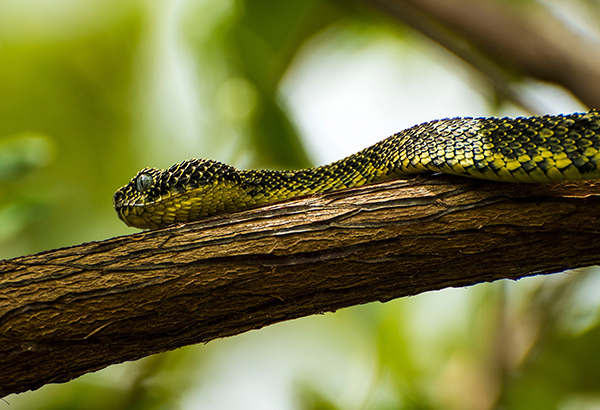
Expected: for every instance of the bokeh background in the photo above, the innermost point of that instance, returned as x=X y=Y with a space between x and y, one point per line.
x=92 y=91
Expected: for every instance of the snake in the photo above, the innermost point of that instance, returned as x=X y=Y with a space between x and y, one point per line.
x=535 y=149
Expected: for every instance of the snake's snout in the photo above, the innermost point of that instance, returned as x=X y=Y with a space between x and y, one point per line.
x=118 y=198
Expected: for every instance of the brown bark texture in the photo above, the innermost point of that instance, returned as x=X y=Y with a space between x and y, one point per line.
x=70 y=311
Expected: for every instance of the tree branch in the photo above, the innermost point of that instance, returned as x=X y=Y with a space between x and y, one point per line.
x=526 y=39
x=70 y=311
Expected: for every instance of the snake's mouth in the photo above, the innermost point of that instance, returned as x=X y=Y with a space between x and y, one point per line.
x=122 y=211
x=130 y=203
x=122 y=216
x=130 y=215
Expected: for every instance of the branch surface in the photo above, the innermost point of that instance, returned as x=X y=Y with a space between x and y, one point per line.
x=70 y=311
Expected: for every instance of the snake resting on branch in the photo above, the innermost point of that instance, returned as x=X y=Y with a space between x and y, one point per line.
x=526 y=149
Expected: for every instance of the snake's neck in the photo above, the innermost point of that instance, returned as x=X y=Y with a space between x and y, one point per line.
x=362 y=168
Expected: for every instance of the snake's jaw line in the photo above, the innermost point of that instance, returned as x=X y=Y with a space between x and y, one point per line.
x=533 y=149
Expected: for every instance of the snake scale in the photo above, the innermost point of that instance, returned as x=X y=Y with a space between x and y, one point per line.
x=525 y=149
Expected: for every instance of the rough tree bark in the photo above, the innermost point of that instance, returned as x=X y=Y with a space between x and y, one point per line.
x=70 y=311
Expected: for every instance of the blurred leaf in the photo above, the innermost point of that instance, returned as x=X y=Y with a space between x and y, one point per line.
x=22 y=153
x=16 y=216
x=255 y=51
x=266 y=46
x=75 y=91
x=310 y=398
x=397 y=362
x=562 y=366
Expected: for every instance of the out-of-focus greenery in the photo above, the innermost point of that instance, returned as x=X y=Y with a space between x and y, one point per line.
x=66 y=115
x=90 y=92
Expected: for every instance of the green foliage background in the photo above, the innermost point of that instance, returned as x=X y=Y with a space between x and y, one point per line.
x=84 y=104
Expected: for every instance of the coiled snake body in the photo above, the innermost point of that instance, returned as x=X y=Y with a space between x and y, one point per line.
x=531 y=149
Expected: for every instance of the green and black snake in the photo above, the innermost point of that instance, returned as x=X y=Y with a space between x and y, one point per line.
x=526 y=149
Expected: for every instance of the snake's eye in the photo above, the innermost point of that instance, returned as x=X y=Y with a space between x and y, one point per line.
x=144 y=182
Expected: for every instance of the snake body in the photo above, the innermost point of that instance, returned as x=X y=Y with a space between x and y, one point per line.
x=525 y=149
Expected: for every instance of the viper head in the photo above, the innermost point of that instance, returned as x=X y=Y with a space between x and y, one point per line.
x=155 y=198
